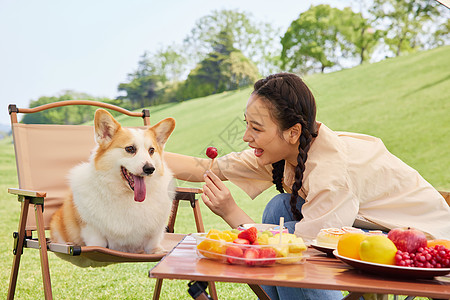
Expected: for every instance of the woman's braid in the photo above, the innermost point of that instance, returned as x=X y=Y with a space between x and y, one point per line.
x=303 y=147
x=277 y=175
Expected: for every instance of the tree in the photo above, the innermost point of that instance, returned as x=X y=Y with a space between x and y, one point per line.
x=168 y=63
x=141 y=91
x=225 y=68
x=254 y=39
x=156 y=78
x=326 y=37
x=159 y=74
x=359 y=34
x=442 y=35
x=311 y=40
x=404 y=22
x=241 y=71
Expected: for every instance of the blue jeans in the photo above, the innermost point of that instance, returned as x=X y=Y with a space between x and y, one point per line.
x=279 y=207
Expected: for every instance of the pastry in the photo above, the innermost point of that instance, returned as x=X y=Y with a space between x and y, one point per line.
x=329 y=237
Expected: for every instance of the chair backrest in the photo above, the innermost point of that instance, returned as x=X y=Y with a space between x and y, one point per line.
x=45 y=154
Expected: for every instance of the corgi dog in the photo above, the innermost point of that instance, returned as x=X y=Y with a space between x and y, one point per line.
x=121 y=198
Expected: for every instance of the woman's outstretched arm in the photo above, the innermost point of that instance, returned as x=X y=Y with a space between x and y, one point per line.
x=190 y=168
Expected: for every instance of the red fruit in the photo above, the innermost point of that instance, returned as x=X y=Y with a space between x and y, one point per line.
x=408 y=240
x=233 y=252
x=250 y=234
x=241 y=241
x=428 y=257
x=269 y=254
x=250 y=256
x=211 y=152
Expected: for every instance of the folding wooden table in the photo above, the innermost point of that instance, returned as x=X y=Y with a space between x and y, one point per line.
x=318 y=272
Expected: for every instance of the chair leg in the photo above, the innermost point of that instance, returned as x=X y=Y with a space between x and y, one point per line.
x=158 y=287
x=198 y=217
x=14 y=274
x=18 y=250
x=173 y=216
x=43 y=252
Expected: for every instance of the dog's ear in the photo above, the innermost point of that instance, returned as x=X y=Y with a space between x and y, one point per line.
x=163 y=130
x=105 y=126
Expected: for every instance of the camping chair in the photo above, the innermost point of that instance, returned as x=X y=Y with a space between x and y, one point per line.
x=44 y=155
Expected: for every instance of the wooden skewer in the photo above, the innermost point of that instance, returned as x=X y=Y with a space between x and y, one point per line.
x=281 y=227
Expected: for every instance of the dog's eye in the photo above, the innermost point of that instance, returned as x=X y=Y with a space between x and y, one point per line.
x=151 y=151
x=130 y=149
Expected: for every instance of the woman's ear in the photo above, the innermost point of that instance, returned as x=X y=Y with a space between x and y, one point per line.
x=292 y=135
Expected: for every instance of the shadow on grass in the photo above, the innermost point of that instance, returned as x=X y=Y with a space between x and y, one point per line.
x=427 y=86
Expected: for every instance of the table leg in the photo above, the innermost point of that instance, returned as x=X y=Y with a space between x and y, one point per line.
x=258 y=290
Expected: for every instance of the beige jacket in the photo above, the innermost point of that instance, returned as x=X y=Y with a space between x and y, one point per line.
x=349 y=176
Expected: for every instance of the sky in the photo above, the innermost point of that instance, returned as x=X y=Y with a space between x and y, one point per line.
x=89 y=46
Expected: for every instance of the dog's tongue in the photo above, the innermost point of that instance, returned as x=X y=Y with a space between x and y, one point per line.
x=139 y=188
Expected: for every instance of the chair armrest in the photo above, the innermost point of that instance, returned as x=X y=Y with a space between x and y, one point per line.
x=189 y=190
x=26 y=193
x=29 y=193
x=183 y=193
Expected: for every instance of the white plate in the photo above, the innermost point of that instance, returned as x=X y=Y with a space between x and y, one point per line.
x=327 y=250
x=391 y=270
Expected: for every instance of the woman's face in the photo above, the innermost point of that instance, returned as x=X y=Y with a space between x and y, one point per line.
x=263 y=134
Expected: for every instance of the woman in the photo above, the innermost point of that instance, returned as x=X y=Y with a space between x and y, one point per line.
x=331 y=178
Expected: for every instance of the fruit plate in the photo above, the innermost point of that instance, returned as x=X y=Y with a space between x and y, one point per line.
x=327 y=250
x=217 y=250
x=393 y=271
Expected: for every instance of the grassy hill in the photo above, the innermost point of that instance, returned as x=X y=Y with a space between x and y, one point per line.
x=404 y=101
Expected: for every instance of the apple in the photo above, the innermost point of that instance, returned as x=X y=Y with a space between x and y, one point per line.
x=408 y=239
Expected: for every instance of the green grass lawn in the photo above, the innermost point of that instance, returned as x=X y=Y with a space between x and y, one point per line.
x=404 y=101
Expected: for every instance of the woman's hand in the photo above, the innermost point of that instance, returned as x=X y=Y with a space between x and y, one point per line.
x=216 y=195
x=219 y=200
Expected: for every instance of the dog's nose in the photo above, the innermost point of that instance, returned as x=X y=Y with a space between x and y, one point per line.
x=148 y=169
